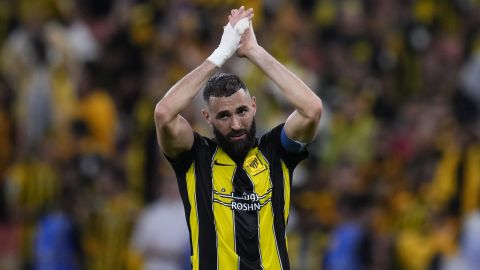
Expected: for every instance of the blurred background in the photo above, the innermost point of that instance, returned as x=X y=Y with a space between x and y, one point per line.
x=392 y=182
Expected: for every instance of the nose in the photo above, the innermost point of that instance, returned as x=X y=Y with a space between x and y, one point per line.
x=236 y=124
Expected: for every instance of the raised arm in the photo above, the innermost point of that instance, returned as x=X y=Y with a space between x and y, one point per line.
x=174 y=133
x=302 y=124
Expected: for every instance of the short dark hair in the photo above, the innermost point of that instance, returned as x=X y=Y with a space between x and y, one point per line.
x=222 y=85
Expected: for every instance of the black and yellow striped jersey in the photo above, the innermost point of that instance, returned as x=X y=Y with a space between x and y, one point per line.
x=237 y=212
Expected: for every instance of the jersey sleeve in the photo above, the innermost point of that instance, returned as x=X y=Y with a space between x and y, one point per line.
x=181 y=163
x=271 y=143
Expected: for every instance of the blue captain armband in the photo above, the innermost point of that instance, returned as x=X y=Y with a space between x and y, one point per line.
x=291 y=145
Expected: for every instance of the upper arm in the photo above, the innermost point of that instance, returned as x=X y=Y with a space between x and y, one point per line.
x=174 y=136
x=300 y=128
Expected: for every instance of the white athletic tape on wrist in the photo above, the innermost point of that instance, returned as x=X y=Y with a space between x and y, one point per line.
x=241 y=26
x=229 y=42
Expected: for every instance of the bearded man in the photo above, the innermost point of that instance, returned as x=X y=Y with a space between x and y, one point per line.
x=236 y=187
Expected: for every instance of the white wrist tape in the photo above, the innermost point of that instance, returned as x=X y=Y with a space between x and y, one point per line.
x=229 y=42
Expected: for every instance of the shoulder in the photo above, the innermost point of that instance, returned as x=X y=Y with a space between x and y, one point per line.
x=271 y=145
x=202 y=148
x=273 y=135
x=203 y=141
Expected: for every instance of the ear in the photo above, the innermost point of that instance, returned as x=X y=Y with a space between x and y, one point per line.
x=254 y=104
x=206 y=115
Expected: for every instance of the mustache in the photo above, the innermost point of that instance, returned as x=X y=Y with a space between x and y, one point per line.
x=236 y=148
x=237 y=133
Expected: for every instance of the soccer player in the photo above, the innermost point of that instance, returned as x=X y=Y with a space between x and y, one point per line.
x=236 y=187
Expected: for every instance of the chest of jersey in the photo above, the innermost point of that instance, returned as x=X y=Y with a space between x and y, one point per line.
x=241 y=188
x=242 y=205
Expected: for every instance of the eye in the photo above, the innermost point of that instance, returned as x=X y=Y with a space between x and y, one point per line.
x=222 y=116
x=242 y=111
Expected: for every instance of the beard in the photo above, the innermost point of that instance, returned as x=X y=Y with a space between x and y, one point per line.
x=236 y=149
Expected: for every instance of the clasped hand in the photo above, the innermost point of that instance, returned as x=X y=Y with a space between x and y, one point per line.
x=238 y=37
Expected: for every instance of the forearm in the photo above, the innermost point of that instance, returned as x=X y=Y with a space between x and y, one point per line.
x=184 y=91
x=305 y=101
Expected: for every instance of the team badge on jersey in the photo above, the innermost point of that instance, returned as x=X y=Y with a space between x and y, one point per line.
x=254 y=165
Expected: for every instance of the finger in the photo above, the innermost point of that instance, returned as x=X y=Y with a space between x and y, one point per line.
x=243 y=10
x=233 y=11
x=248 y=12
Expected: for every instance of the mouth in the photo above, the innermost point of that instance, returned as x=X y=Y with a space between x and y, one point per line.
x=238 y=137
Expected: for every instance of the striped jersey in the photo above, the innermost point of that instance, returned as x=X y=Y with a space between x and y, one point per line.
x=237 y=212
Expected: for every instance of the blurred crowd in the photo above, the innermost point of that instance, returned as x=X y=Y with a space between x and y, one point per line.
x=393 y=182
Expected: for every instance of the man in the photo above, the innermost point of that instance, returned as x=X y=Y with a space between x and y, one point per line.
x=236 y=188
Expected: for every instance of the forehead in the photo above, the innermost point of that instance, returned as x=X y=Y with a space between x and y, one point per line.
x=239 y=98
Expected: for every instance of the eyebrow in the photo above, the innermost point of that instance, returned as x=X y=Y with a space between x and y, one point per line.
x=226 y=112
x=241 y=108
x=222 y=113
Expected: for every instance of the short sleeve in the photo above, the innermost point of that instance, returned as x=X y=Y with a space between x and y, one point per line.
x=270 y=143
x=184 y=160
